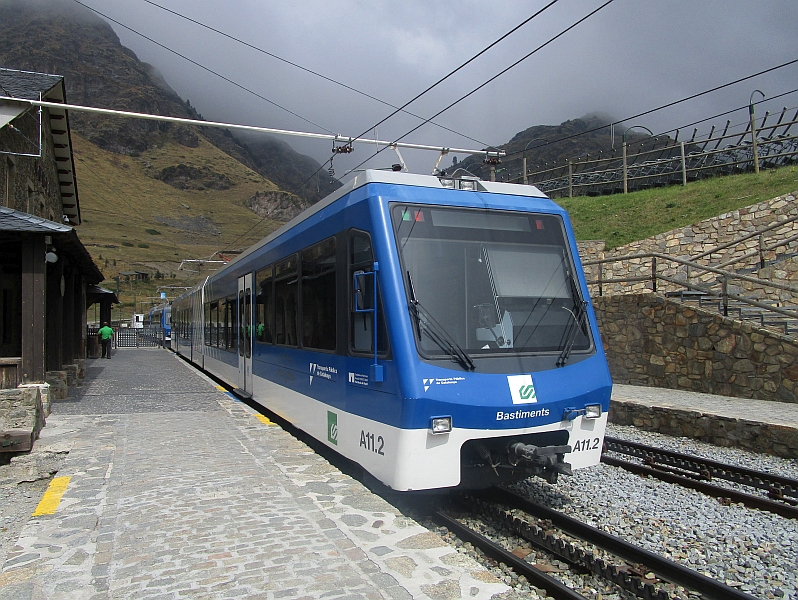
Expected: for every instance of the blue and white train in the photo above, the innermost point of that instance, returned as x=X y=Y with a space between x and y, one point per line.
x=436 y=331
x=159 y=322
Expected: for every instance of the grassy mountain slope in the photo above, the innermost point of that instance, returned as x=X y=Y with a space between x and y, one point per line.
x=620 y=219
x=145 y=224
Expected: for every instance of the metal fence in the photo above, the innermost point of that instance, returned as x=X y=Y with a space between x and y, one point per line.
x=137 y=338
x=634 y=168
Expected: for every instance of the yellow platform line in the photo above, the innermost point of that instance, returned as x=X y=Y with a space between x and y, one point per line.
x=221 y=388
x=52 y=497
x=265 y=420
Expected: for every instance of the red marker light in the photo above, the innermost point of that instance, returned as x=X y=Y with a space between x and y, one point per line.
x=538 y=223
x=419 y=216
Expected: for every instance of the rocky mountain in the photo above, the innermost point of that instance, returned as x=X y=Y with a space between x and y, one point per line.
x=63 y=38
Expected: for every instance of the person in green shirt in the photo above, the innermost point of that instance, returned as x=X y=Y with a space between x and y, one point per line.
x=106 y=334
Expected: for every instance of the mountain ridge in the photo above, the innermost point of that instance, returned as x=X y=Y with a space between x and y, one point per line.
x=63 y=38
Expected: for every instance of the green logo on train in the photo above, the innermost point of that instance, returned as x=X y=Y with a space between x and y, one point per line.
x=332 y=428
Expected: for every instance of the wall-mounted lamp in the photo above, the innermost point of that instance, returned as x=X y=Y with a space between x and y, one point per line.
x=51 y=257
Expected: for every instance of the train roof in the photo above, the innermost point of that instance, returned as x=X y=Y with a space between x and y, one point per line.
x=390 y=177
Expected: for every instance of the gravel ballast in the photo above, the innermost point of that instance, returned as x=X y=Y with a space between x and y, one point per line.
x=752 y=550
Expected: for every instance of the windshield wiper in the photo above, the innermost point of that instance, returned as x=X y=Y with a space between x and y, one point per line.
x=579 y=315
x=426 y=323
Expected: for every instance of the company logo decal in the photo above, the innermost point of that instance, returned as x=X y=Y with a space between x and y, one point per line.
x=332 y=428
x=323 y=372
x=522 y=389
x=358 y=379
x=428 y=383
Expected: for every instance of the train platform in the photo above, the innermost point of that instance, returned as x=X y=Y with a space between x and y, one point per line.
x=168 y=487
x=764 y=426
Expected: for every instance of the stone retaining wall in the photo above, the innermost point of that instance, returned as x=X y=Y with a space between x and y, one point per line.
x=784 y=272
x=714 y=429
x=652 y=341
x=59 y=389
x=695 y=239
x=21 y=418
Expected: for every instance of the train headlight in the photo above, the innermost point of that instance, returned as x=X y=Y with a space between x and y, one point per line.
x=439 y=425
x=592 y=411
x=459 y=184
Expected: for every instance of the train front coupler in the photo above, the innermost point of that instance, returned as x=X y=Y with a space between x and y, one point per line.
x=545 y=461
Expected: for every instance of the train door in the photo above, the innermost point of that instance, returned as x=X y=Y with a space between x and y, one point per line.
x=245 y=333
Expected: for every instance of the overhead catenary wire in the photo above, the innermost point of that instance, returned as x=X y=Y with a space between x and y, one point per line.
x=397 y=143
x=729 y=112
x=201 y=66
x=667 y=105
x=459 y=68
x=493 y=78
x=646 y=112
x=337 y=137
x=307 y=70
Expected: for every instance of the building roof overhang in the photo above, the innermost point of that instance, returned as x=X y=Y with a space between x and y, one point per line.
x=95 y=293
x=65 y=238
x=27 y=85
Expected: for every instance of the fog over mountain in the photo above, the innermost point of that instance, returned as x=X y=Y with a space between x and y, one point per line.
x=628 y=58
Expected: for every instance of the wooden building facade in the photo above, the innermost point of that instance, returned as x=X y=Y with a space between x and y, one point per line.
x=45 y=271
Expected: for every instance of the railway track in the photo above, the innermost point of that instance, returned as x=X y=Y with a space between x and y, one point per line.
x=699 y=473
x=638 y=571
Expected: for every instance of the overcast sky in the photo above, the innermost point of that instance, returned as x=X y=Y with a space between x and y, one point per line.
x=630 y=57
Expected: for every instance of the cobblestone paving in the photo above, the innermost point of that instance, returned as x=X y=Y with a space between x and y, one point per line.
x=178 y=491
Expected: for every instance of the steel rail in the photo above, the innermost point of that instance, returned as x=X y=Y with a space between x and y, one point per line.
x=567 y=552
x=750 y=500
x=710 y=469
x=664 y=568
x=538 y=578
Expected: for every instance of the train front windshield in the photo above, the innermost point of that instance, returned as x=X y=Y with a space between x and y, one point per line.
x=489 y=282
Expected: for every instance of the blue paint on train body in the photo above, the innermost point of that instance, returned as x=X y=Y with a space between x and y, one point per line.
x=421 y=383
x=474 y=397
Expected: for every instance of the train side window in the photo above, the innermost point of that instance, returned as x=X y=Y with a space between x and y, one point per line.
x=231 y=323
x=215 y=324
x=221 y=325
x=286 y=302
x=264 y=311
x=243 y=307
x=318 y=296
x=208 y=324
x=361 y=335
